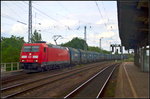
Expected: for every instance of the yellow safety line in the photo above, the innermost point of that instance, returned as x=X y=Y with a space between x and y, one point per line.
x=131 y=85
x=121 y=69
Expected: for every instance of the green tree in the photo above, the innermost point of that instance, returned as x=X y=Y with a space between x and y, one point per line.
x=106 y=52
x=76 y=43
x=79 y=44
x=11 y=48
x=36 y=37
x=97 y=49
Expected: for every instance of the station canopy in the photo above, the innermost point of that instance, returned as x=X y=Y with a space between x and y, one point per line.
x=133 y=23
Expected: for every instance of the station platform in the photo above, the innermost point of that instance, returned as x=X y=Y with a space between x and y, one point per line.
x=131 y=82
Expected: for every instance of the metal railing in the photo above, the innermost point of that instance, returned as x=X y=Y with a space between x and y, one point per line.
x=10 y=66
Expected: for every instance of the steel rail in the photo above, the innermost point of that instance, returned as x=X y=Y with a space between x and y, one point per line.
x=14 y=94
x=21 y=84
x=8 y=79
x=105 y=82
x=83 y=84
x=23 y=75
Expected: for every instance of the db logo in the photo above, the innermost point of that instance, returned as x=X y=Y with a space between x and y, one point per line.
x=29 y=56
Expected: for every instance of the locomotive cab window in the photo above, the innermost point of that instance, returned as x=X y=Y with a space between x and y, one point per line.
x=31 y=49
x=27 y=49
x=35 y=49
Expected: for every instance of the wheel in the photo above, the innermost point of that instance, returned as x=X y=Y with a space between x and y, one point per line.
x=39 y=69
x=42 y=69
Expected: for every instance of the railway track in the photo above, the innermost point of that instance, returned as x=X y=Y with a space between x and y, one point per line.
x=17 y=89
x=20 y=76
x=23 y=78
x=13 y=78
x=93 y=87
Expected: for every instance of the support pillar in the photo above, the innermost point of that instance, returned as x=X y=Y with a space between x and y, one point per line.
x=136 y=57
x=145 y=59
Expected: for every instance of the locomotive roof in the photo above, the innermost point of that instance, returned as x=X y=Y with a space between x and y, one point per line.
x=36 y=43
x=56 y=46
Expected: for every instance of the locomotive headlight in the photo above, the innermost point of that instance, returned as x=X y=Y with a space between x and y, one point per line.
x=23 y=56
x=35 y=56
x=35 y=60
x=23 y=60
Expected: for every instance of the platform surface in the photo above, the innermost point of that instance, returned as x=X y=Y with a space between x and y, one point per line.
x=131 y=82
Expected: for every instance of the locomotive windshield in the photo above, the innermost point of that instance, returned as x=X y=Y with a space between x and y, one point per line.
x=31 y=49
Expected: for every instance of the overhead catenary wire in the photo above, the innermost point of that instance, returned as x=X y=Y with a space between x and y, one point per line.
x=106 y=14
x=68 y=27
x=12 y=10
x=105 y=10
x=79 y=27
x=22 y=6
x=57 y=14
x=74 y=16
x=13 y=19
x=46 y=14
x=66 y=10
x=100 y=12
x=63 y=7
x=102 y=15
x=63 y=16
x=10 y=17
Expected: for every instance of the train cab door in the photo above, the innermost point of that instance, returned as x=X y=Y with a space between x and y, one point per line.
x=45 y=54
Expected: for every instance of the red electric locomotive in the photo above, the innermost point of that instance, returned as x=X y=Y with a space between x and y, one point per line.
x=41 y=56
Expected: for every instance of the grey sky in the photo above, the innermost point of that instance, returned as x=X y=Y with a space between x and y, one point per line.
x=66 y=18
